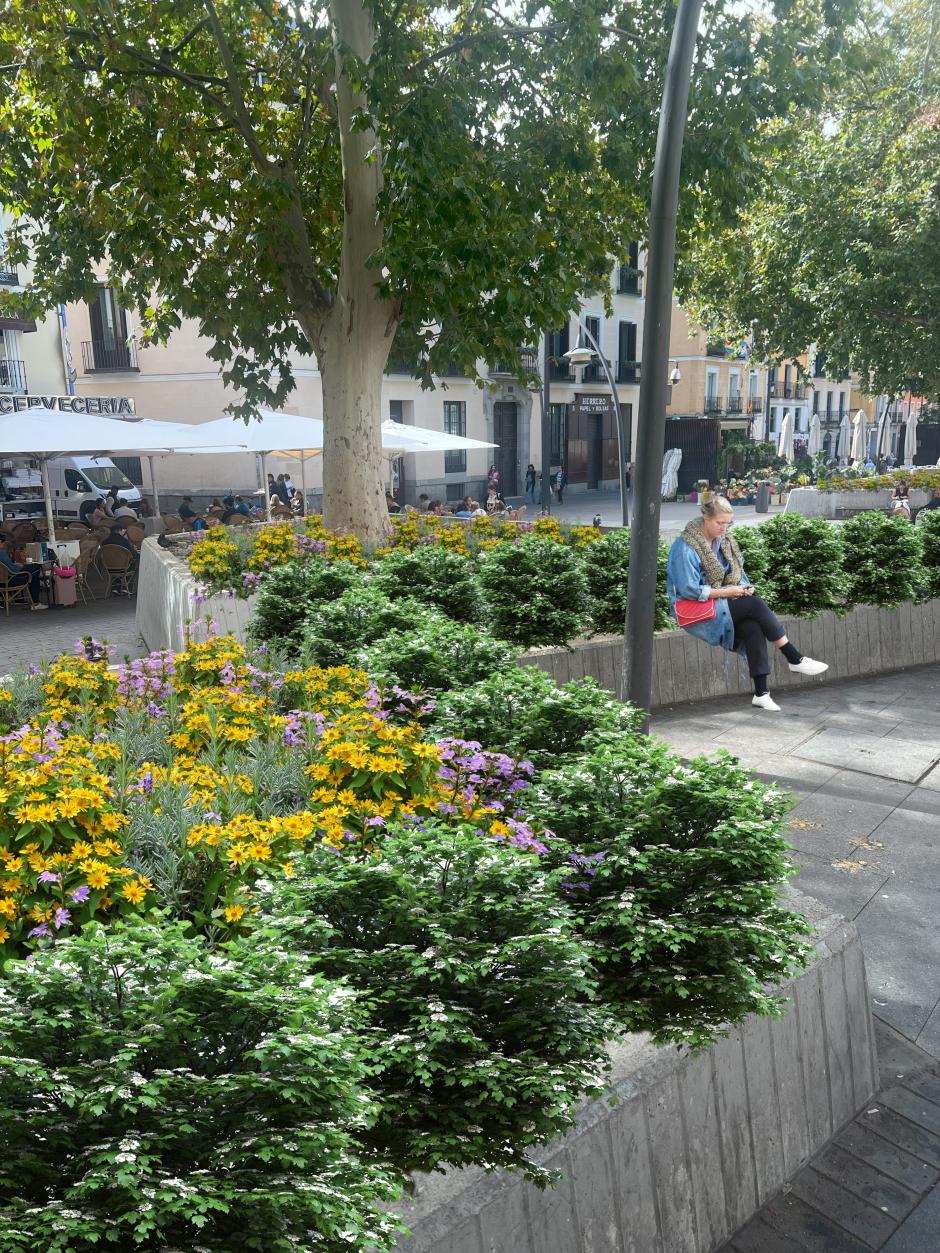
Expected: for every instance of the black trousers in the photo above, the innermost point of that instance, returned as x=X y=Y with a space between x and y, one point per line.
x=31 y=574
x=754 y=624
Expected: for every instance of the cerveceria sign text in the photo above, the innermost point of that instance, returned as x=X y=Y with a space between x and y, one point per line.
x=115 y=405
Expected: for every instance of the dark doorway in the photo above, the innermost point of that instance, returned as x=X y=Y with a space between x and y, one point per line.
x=505 y=434
x=595 y=446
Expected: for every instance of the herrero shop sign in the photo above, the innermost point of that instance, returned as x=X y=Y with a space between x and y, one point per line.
x=110 y=406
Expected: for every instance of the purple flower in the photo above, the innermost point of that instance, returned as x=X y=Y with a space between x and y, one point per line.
x=81 y=894
x=61 y=917
x=48 y=877
x=42 y=929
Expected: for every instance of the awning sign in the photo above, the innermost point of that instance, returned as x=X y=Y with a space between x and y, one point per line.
x=107 y=405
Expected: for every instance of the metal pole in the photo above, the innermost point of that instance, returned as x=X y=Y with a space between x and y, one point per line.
x=546 y=424
x=623 y=441
x=153 y=488
x=47 y=492
x=651 y=423
x=267 y=490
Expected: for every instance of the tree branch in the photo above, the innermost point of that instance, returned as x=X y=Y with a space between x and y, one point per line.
x=509 y=32
x=264 y=165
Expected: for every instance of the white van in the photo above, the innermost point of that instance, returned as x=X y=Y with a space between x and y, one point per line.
x=72 y=480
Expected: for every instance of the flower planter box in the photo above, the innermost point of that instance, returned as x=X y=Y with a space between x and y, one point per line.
x=812 y=503
x=169 y=605
x=692 y=1146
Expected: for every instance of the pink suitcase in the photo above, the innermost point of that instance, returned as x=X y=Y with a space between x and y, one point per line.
x=63 y=586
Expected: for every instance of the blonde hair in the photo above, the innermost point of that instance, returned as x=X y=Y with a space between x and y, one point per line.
x=716 y=505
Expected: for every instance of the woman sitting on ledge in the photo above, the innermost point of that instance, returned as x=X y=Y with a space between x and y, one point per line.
x=713 y=598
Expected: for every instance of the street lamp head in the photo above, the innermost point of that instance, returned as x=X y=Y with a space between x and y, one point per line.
x=579 y=356
x=675 y=377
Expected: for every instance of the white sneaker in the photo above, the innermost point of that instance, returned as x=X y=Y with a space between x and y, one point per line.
x=766 y=702
x=40 y=605
x=808 y=666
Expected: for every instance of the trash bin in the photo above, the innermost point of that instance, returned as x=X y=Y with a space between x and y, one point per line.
x=63 y=585
x=762 y=504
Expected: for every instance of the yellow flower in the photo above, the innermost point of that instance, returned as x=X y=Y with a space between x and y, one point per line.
x=98 y=877
x=233 y=913
x=134 y=893
x=4 y=934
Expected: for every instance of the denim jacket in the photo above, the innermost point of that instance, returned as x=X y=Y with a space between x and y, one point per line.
x=685 y=580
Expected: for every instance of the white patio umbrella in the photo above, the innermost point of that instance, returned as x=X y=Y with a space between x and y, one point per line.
x=859 y=450
x=400 y=438
x=785 y=440
x=814 y=443
x=844 y=441
x=883 y=446
x=44 y=434
x=910 y=438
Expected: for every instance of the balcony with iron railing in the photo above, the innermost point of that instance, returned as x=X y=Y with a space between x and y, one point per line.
x=526 y=364
x=594 y=373
x=712 y=403
x=628 y=372
x=629 y=281
x=98 y=356
x=9 y=278
x=735 y=404
x=12 y=375
x=560 y=371
x=755 y=404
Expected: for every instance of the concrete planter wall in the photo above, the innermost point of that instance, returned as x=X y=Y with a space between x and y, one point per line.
x=167 y=602
x=867 y=640
x=693 y=1146
x=815 y=504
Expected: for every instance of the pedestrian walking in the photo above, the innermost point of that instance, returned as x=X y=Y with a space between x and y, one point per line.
x=561 y=482
x=530 y=477
x=493 y=478
x=713 y=598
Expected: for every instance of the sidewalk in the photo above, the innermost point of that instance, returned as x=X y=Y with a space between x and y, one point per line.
x=580 y=507
x=861 y=761
x=28 y=638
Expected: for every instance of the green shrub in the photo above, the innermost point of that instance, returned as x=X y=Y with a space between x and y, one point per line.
x=289 y=591
x=435 y=655
x=157 y=1096
x=522 y=712
x=606 y=564
x=751 y=541
x=882 y=559
x=535 y=591
x=335 y=629
x=929 y=531
x=477 y=987
x=804 y=565
x=673 y=871
x=433 y=575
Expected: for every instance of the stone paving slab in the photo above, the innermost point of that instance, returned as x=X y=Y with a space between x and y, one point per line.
x=27 y=638
x=885 y=757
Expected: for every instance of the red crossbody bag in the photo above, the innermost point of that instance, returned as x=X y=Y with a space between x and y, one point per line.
x=691 y=612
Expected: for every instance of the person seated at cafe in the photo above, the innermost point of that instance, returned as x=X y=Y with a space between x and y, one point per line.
x=120 y=537
x=424 y=502
x=85 y=510
x=392 y=503
x=494 y=502
x=187 y=513
x=22 y=573
x=124 y=509
x=241 y=506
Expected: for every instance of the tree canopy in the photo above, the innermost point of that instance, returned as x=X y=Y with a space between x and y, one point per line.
x=842 y=247
x=330 y=177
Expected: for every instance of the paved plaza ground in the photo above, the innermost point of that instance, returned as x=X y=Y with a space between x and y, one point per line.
x=28 y=638
x=860 y=759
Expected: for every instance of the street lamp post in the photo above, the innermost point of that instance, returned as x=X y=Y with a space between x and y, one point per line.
x=651 y=423
x=582 y=356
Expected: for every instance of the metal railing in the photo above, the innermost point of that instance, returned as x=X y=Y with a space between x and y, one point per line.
x=96 y=355
x=561 y=372
x=593 y=373
x=735 y=404
x=12 y=375
x=628 y=372
x=526 y=364
x=629 y=281
x=712 y=403
x=9 y=278
x=755 y=404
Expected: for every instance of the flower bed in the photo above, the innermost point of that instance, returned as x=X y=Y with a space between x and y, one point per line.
x=299 y=862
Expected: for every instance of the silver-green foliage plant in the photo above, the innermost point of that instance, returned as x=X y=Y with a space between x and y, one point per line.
x=435 y=654
x=673 y=870
x=160 y=1095
x=534 y=592
x=882 y=559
